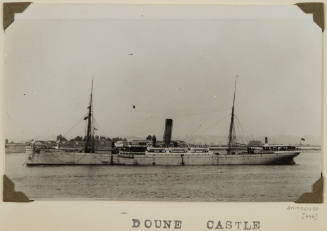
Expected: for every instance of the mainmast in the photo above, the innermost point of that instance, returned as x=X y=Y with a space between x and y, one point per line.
x=89 y=138
x=232 y=135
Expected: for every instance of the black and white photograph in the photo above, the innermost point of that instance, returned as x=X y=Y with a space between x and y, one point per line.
x=183 y=103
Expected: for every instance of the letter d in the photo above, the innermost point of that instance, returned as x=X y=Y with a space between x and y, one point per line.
x=136 y=223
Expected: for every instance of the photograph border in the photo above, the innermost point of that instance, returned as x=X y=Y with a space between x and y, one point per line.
x=317 y=9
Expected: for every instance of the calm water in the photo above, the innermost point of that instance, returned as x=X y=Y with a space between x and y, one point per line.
x=182 y=183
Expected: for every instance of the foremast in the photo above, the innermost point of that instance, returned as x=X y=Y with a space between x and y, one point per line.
x=89 y=137
x=231 y=134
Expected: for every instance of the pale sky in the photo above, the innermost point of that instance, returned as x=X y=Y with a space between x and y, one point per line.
x=170 y=62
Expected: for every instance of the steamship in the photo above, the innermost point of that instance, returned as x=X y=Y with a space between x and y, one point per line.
x=167 y=152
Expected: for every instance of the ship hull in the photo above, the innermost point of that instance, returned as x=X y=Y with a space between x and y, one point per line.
x=67 y=158
x=161 y=159
x=206 y=159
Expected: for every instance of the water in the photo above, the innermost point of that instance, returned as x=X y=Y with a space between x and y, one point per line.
x=181 y=183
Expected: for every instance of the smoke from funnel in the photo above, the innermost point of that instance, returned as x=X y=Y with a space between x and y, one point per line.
x=168 y=131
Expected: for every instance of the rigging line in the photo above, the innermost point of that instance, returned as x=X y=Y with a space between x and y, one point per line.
x=81 y=119
x=247 y=137
x=202 y=113
x=198 y=128
x=178 y=114
x=242 y=130
x=70 y=129
x=240 y=137
x=97 y=126
x=215 y=122
x=100 y=131
x=223 y=118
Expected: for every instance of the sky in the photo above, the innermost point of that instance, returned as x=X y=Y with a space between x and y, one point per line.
x=174 y=62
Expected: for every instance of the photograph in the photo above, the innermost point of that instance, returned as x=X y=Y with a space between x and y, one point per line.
x=150 y=102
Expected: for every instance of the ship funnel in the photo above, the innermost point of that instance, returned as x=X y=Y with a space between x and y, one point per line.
x=266 y=140
x=168 y=131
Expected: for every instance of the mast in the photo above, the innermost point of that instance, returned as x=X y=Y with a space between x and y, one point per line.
x=89 y=142
x=232 y=135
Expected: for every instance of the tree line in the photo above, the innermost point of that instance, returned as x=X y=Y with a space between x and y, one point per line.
x=61 y=138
